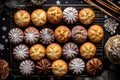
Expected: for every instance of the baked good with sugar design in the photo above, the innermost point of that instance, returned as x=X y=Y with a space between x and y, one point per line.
x=38 y=17
x=54 y=15
x=70 y=15
x=112 y=49
x=22 y=18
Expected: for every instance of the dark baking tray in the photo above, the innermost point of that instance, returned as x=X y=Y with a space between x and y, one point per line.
x=98 y=20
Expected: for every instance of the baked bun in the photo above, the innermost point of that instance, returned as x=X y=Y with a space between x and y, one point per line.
x=38 y=17
x=95 y=33
x=31 y=35
x=37 y=52
x=112 y=49
x=22 y=18
x=62 y=33
x=4 y=69
x=54 y=15
x=94 y=66
x=79 y=34
x=59 y=68
x=70 y=51
x=87 y=50
x=76 y=66
x=54 y=51
x=15 y=36
x=86 y=16
x=70 y=15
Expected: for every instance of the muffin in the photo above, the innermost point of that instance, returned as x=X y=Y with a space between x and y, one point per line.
x=38 y=17
x=31 y=35
x=37 y=52
x=70 y=15
x=76 y=66
x=95 y=33
x=54 y=15
x=21 y=52
x=86 y=16
x=59 y=68
x=15 y=36
x=46 y=36
x=22 y=18
x=54 y=51
x=79 y=34
x=70 y=51
x=44 y=66
x=27 y=67
x=94 y=66
x=4 y=69
x=62 y=33
x=112 y=49
x=87 y=50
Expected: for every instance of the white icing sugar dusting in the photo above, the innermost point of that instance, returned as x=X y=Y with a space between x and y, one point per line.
x=77 y=66
x=46 y=36
x=31 y=35
x=70 y=50
x=21 y=52
x=26 y=67
x=70 y=15
x=15 y=35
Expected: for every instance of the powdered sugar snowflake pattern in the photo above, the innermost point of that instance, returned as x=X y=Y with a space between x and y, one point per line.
x=2 y=47
x=118 y=2
x=3 y=19
x=4 y=28
x=3 y=37
x=6 y=40
x=58 y=2
x=110 y=25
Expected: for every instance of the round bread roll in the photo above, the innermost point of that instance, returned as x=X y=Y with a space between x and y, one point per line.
x=59 y=68
x=4 y=69
x=112 y=49
x=94 y=66
x=87 y=50
x=54 y=15
x=54 y=51
x=22 y=18
x=95 y=33
x=62 y=33
x=38 y=17
x=86 y=16
x=37 y=52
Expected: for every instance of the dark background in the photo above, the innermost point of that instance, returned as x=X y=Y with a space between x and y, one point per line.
x=111 y=72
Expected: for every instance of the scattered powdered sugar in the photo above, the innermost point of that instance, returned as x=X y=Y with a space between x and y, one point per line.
x=110 y=25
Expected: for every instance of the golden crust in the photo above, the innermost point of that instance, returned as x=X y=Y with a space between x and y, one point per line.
x=38 y=17
x=22 y=18
x=96 y=33
x=59 y=68
x=62 y=33
x=54 y=15
x=37 y=52
x=54 y=51
x=87 y=50
x=86 y=16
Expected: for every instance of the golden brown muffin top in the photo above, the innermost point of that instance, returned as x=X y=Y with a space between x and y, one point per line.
x=87 y=50
x=95 y=33
x=59 y=68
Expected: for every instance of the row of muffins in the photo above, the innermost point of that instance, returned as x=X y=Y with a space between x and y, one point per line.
x=62 y=34
x=54 y=15
x=54 y=51
x=60 y=68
